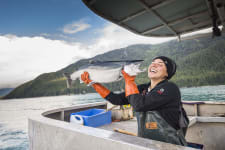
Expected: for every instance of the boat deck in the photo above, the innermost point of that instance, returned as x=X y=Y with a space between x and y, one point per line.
x=128 y=125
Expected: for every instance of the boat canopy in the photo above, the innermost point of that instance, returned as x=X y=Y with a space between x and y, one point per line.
x=162 y=18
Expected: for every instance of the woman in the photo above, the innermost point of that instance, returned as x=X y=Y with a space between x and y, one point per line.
x=157 y=104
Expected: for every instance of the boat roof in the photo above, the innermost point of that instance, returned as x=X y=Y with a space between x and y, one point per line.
x=161 y=18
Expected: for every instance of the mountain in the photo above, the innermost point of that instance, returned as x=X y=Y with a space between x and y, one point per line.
x=5 y=91
x=200 y=62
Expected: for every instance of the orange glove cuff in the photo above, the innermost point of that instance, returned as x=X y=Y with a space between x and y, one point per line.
x=127 y=77
x=130 y=85
x=103 y=91
x=131 y=88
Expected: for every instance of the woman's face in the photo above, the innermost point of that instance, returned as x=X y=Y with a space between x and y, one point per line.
x=157 y=70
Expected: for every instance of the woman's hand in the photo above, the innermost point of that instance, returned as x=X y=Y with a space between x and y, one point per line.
x=103 y=91
x=85 y=78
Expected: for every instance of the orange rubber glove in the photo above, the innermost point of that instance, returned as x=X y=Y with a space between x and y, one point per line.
x=103 y=91
x=85 y=78
x=130 y=85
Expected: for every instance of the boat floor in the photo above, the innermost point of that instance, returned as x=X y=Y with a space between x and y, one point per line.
x=128 y=125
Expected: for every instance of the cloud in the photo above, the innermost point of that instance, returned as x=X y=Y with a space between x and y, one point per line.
x=114 y=37
x=24 y=58
x=75 y=27
x=61 y=37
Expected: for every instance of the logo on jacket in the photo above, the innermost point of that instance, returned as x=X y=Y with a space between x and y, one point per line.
x=144 y=92
x=160 y=91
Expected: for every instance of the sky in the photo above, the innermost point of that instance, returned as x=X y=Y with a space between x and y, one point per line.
x=41 y=36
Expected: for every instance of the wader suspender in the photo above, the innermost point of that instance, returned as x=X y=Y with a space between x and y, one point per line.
x=183 y=120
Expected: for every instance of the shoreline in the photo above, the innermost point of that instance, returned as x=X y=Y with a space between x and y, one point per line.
x=74 y=94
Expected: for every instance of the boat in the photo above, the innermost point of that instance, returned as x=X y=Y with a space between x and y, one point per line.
x=154 y=18
x=52 y=130
x=163 y=18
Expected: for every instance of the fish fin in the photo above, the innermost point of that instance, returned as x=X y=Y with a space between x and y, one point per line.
x=68 y=79
x=120 y=78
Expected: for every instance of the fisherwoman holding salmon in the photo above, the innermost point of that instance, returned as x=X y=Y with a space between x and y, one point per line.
x=157 y=104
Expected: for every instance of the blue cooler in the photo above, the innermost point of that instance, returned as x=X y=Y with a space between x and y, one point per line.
x=91 y=117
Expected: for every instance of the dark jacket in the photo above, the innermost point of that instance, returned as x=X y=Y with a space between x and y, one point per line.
x=165 y=98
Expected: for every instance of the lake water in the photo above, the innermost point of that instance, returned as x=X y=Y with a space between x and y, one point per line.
x=15 y=112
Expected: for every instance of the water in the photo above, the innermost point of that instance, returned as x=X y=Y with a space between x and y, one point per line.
x=14 y=113
x=204 y=93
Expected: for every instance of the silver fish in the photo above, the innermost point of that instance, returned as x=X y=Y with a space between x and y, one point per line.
x=106 y=71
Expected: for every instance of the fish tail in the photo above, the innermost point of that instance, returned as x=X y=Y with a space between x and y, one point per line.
x=68 y=80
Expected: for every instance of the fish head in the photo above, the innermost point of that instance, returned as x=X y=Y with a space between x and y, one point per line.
x=133 y=68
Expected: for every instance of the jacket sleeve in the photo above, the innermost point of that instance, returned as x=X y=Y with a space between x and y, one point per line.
x=120 y=98
x=117 y=99
x=156 y=99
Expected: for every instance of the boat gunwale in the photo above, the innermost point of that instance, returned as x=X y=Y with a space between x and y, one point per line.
x=41 y=122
